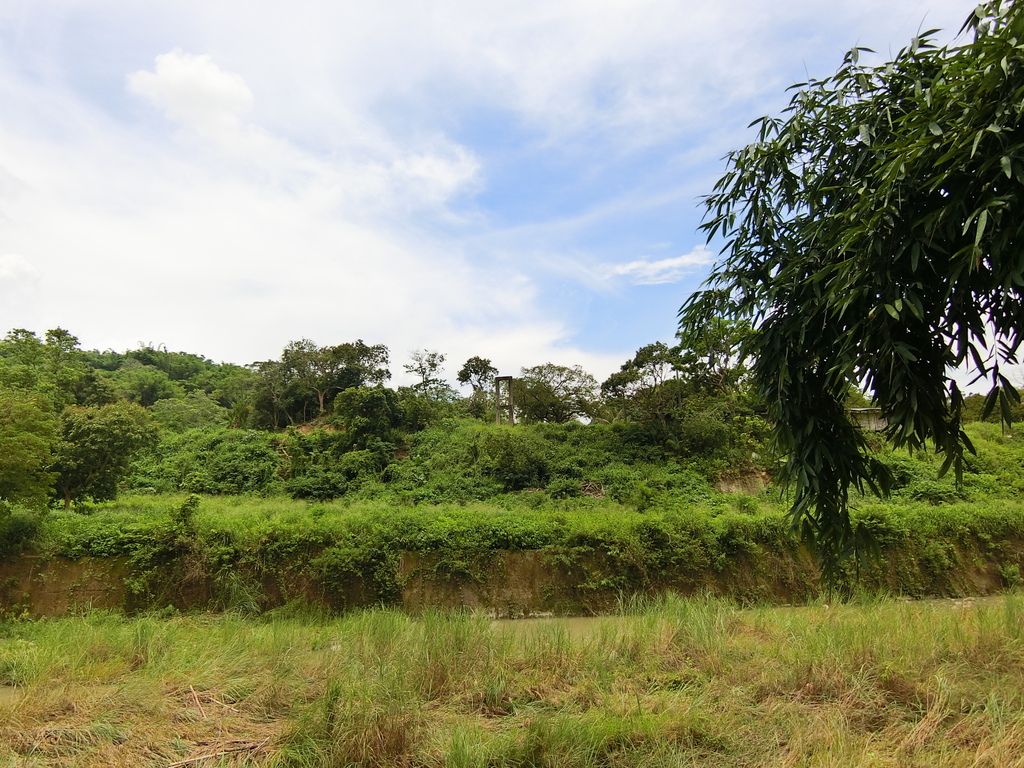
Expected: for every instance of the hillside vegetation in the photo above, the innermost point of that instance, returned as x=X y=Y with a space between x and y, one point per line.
x=324 y=474
x=319 y=424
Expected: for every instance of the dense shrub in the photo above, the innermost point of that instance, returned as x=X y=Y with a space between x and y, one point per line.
x=211 y=461
x=18 y=528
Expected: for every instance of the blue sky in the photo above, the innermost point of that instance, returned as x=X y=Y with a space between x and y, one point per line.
x=518 y=181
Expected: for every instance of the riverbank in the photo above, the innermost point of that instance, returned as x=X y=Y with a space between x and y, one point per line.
x=252 y=555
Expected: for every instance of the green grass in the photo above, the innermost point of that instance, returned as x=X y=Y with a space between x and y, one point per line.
x=672 y=682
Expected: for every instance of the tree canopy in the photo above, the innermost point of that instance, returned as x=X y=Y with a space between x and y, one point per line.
x=478 y=373
x=28 y=435
x=874 y=236
x=554 y=393
x=96 y=449
x=302 y=384
x=428 y=364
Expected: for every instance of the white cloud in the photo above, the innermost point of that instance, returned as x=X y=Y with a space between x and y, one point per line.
x=632 y=72
x=194 y=91
x=19 y=286
x=363 y=175
x=16 y=273
x=671 y=270
x=316 y=170
x=136 y=240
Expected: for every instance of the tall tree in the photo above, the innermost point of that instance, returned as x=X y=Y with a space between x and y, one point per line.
x=270 y=393
x=638 y=391
x=708 y=355
x=317 y=369
x=555 y=393
x=478 y=373
x=96 y=448
x=28 y=434
x=308 y=376
x=428 y=365
x=63 y=361
x=366 y=364
x=874 y=236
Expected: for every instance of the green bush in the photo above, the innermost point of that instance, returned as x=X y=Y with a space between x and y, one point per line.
x=211 y=461
x=18 y=528
x=515 y=458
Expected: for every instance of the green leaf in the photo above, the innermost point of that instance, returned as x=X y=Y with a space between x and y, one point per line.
x=990 y=403
x=979 y=231
x=977 y=140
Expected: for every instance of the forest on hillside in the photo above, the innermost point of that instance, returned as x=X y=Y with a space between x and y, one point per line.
x=321 y=422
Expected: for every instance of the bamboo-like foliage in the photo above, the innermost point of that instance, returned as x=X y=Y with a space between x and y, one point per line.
x=873 y=235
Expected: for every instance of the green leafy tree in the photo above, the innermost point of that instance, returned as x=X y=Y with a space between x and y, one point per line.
x=478 y=373
x=270 y=394
x=424 y=408
x=431 y=398
x=304 y=382
x=63 y=363
x=368 y=412
x=320 y=370
x=28 y=434
x=144 y=384
x=54 y=367
x=366 y=364
x=708 y=355
x=23 y=347
x=555 y=393
x=873 y=237
x=196 y=410
x=687 y=403
x=94 y=388
x=233 y=387
x=22 y=363
x=96 y=448
x=428 y=365
x=639 y=390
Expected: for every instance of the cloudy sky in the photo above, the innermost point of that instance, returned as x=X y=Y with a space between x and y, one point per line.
x=515 y=180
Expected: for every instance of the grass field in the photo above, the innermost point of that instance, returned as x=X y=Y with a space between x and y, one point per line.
x=680 y=682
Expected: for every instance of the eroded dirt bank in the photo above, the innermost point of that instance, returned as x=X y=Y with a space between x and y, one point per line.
x=505 y=584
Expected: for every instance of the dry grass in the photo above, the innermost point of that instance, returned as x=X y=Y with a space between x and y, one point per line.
x=681 y=682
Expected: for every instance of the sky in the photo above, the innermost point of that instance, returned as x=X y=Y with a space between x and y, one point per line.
x=519 y=181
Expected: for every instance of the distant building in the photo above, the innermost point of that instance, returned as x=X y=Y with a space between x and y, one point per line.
x=869 y=419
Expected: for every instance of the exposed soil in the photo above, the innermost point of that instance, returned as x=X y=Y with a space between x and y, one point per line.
x=504 y=585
